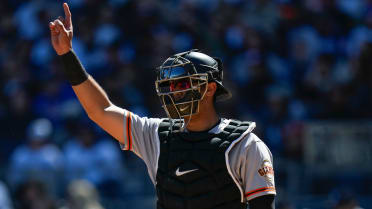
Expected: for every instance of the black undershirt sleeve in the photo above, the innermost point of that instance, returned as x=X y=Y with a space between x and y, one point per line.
x=262 y=202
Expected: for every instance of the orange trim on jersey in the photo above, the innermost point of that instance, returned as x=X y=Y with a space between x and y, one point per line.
x=263 y=189
x=129 y=132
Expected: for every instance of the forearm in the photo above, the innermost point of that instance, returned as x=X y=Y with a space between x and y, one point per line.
x=91 y=96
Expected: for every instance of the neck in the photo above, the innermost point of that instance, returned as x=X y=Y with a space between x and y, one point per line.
x=204 y=120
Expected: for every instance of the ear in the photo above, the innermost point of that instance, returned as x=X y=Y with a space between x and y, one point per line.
x=211 y=89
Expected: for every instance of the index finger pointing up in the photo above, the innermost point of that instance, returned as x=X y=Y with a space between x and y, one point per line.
x=67 y=15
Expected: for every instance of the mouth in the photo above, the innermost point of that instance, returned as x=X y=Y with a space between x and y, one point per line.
x=184 y=108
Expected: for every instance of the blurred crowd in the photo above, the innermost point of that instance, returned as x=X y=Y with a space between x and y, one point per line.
x=285 y=61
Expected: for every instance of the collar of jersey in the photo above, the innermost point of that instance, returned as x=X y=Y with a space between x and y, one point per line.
x=214 y=129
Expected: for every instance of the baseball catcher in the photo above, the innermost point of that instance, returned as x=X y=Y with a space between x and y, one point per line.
x=195 y=159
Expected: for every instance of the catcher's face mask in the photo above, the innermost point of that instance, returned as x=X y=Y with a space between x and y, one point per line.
x=180 y=87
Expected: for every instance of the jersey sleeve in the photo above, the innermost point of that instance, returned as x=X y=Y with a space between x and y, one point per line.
x=140 y=137
x=252 y=164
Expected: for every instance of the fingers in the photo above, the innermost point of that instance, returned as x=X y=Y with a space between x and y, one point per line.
x=61 y=19
x=59 y=26
x=67 y=10
x=51 y=25
x=67 y=21
x=52 y=28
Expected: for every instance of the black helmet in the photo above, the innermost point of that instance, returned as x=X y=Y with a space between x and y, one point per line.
x=188 y=72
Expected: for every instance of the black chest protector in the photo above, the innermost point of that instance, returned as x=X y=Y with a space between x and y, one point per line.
x=192 y=171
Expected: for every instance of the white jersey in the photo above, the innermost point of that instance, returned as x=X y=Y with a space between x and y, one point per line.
x=248 y=159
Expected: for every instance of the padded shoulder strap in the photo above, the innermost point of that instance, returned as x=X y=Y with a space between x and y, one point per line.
x=233 y=133
x=235 y=129
x=168 y=125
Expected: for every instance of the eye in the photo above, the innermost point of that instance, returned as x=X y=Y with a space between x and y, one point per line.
x=181 y=84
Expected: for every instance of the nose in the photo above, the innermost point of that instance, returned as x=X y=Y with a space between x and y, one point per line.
x=178 y=96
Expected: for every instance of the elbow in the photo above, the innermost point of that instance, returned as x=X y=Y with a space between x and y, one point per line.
x=95 y=115
x=92 y=115
x=98 y=114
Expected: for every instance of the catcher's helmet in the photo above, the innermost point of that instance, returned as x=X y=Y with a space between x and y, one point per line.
x=182 y=79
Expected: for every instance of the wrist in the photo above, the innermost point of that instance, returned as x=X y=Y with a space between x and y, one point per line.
x=63 y=52
x=73 y=69
x=64 y=55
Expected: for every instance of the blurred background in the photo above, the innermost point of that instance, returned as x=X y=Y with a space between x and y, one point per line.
x=301 y=69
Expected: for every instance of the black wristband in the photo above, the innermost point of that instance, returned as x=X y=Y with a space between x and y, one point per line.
x=73 y=69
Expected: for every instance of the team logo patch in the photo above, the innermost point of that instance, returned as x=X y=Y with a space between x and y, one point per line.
x=267 y=171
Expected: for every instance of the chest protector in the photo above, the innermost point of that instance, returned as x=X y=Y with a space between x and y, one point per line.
x=192 y=171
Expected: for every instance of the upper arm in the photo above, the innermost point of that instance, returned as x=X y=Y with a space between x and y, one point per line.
x=255 y=168
x=262 y=202
x=135 y=133
x=111 y=120
x=141 y=137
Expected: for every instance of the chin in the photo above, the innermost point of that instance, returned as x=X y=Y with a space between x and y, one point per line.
x=194 y=116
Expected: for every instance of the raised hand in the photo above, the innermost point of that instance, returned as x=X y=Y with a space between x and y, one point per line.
x=61 y=32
